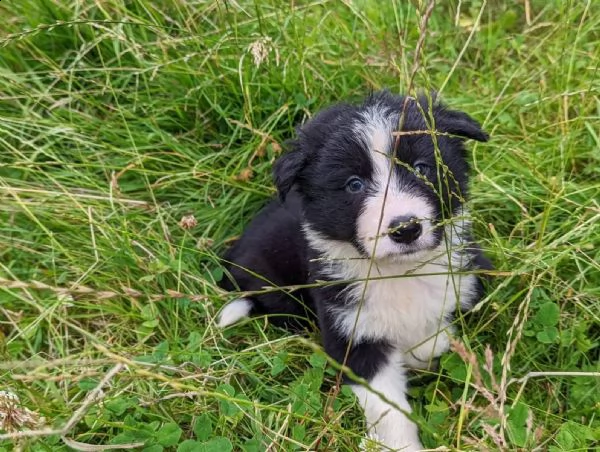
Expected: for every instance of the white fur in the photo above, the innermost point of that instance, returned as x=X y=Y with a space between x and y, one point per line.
x=388 y=422
x=234 y=311
x=405 y=303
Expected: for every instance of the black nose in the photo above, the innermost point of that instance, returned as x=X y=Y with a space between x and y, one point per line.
x=405 y=229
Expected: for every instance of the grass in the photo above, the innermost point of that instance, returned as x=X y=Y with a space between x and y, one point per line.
x=119 y=118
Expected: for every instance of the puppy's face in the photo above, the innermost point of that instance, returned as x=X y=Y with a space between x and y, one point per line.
x=388 y=195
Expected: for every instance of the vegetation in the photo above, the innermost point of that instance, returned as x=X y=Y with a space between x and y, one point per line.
x=118 y=118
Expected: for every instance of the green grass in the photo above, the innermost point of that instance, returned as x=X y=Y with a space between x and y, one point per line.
x=119 y=118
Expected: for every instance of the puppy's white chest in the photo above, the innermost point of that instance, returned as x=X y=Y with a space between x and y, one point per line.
x=403 y=309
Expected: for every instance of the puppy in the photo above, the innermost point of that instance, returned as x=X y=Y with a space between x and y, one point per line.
x=371 y=223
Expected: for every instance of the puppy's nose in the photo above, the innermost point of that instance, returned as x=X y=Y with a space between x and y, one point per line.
x=405 y=229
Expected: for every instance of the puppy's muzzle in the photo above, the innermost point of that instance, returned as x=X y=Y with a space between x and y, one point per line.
x=405 y=229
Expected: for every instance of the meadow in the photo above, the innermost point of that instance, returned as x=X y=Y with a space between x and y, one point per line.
x=136 y=141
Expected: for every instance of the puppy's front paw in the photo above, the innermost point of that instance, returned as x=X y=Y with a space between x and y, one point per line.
x=394 y=432
x=424 y=355
x=412 y=362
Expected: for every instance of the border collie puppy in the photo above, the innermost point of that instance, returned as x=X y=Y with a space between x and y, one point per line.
x=371 y=221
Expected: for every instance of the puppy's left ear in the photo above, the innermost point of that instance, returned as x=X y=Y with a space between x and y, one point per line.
x=287 y=168
x=460 y=124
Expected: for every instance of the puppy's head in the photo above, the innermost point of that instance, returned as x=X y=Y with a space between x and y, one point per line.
x=383 y=176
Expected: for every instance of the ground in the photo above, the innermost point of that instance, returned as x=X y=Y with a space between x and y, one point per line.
x=136 y=141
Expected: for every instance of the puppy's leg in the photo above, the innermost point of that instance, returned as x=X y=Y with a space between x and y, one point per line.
x=259 y=279
x=384 y=401
x=385 y=412
x=234 y=311
x=423 y=355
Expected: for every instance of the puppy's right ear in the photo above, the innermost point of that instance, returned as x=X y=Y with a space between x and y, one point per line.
x=287 y=168
x=310 y=139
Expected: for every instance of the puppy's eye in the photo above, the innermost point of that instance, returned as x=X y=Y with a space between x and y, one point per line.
x=422 y=168
x=355 y=185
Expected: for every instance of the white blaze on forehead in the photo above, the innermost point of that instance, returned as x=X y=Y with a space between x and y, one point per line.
x=375 y=129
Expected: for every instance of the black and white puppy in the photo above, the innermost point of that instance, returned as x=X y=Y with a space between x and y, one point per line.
x=371 y=216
